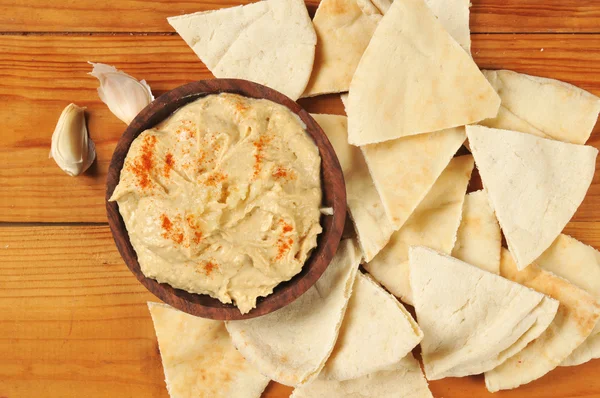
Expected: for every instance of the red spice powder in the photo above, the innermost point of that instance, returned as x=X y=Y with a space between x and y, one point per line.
x=286 y=227
x=201 y=162
x=143 y=164
x=169 y=164
x=215 y=178
x=191 y=220
x=282 y=248
x=283 y=244
x=186 y=128
x=208 y=152
x=281 y=173
x=209 y=267
x=171 y=231
x=178 y=238
x=166 y=223
x=260 y=145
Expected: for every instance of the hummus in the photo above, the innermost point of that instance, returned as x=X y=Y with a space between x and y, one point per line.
x=223 y=198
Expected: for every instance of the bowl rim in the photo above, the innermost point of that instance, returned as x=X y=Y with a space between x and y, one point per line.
x=333 y=188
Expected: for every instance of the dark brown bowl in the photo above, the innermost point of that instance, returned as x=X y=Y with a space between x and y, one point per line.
x=334 y=195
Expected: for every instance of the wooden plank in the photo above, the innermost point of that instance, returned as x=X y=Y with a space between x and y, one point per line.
x=104 y=16
x=74 y=321
x=72 y=317
x=41 y=75
x=143 y=16
x=535 y=16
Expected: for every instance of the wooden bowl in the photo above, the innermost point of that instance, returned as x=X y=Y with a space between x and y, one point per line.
x=334 y=195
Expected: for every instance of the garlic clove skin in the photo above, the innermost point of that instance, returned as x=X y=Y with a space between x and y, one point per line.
x=71 y=148
x=124 y=95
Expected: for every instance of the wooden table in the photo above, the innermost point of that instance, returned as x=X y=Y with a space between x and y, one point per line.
x=73 y=319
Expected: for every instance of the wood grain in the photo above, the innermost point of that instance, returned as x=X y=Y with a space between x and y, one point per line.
x=334 y=196
x=535 y=16
x=143 y=16
x=72 y=317
x=41 y=75
x=74 y=321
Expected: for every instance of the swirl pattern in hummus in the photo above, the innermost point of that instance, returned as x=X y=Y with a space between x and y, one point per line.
x=223 y=198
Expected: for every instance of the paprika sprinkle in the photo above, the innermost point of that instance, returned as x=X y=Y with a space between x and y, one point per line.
x=142 y=165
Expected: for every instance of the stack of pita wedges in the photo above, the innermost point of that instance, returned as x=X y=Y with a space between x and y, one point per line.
x=422 y=234
x=346 y=336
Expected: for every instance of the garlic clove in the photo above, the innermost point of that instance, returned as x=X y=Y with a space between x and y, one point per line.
x=123 y=94
x=71 y=148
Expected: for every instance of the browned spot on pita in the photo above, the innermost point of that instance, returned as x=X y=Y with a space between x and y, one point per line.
x=584 y=323
x=335 y=7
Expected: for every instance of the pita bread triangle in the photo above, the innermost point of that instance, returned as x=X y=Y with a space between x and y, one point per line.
x=472 y=320
x=534 y=184
x=577 y=316
x=343 y=32
x=433 y=224
x=270 y=42
x=454 y=17
x=588 y=350
x=344 y=98
x=344 y=29
x=404 y=379
x=544 y=107
x=507 y=120
x=404 y=170
x=199 y=359
x=403 y=64
x=292 y=344
x=377 y=332
x=479 y=240
x=579 y=264
x=371 y=223
x=370 y=7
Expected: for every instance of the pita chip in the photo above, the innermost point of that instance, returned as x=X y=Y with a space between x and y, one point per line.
x=377 y=332
x=454 y=17
x=577 y=315
x=453 y=14
x=343 y=32
x=344 y=98
x=534 y=185
x=403 y=379
x=364 y=205
x=199 y=359
x=579 y=264
x=428 y=81
x=405 y=169
x=544 y=107
x=433 y=224
x=269 y=42
x=472 y=320
x=479 y=239
x=292 y=344
x=371 y=7
x=588 y=350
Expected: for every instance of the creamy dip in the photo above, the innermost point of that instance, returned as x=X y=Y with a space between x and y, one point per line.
x=223 y=198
